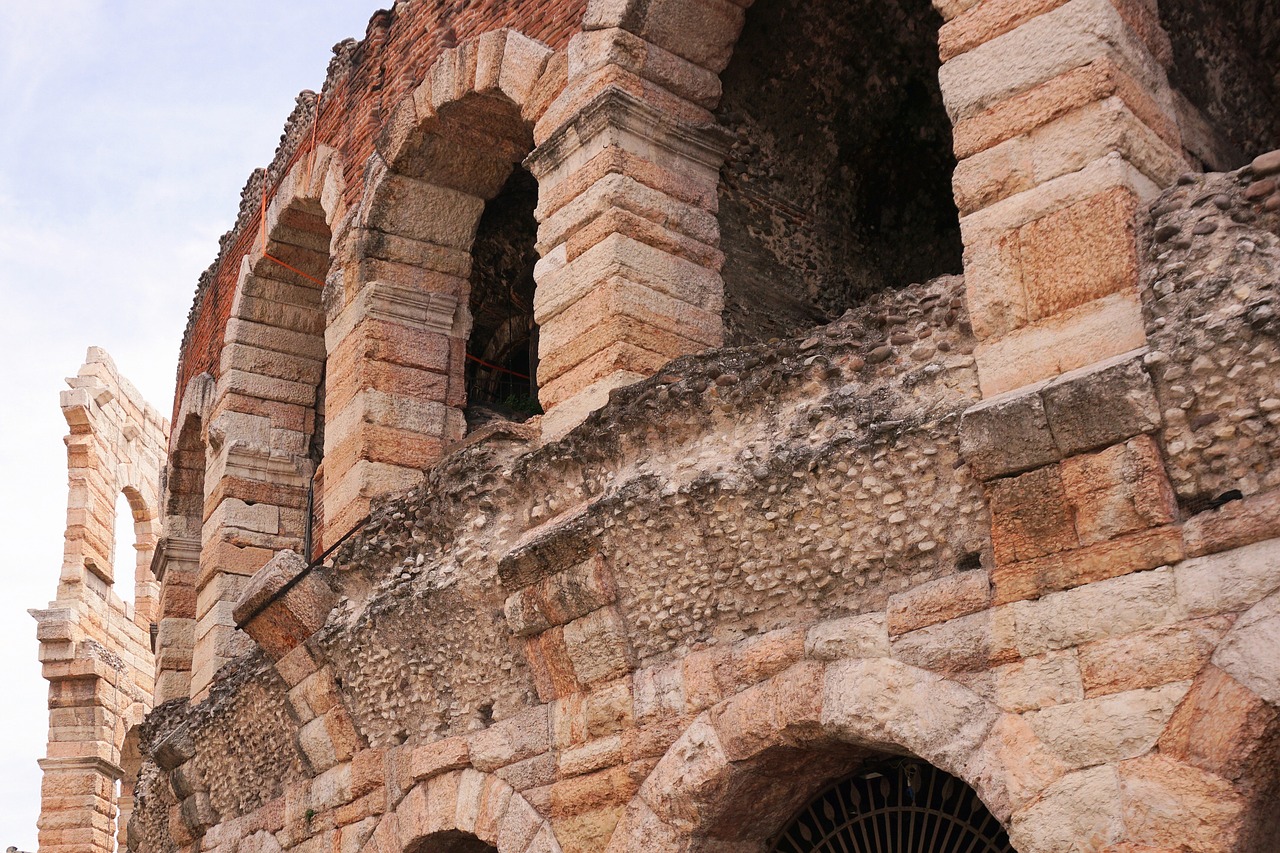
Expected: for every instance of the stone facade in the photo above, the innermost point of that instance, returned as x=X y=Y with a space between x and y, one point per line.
x=1019 y=521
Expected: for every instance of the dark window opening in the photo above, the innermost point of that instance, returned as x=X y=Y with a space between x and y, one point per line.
x=502 y=352
x=838 y=183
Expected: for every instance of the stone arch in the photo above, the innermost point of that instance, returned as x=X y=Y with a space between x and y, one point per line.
x=177 y=562
x=399 y=329
x=463 y=805
x=265 y=431
x=146 y=531
x=743 y=767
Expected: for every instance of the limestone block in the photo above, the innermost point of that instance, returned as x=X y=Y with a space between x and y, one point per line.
x=1169 y=804
x=1011 y=767
x=862 y=636
x=1234 y=525
x=621 y=256
x=975 y=641
x=1038 y=682
x=1074 y=338
x=422 y=211
x=1227 y=581
x=560 y=598
x=516 y=738
x=1248 y=653
x=688 y=776
x=593 y=49
x=439 y=757
x=1134 y=552
x=1073 y=35
x=1101 y=405
x=1030 y=516
x=938 y=600
x=786 y=709
x=518 y=826
x=1106 y=608
x=1085 y=804
x=1150 y=658
x=283 y=604
x=1108 y=728
x=1080 y=253
x=659 y=693
x=598 y=647
x=884 y=704
x=1007 y=433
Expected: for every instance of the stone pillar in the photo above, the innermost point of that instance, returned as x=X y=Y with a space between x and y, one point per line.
x=396 y=344
x=1064 y=123
x=176 y=630
x=95 y=649
x=260 y=430
x=630 y=270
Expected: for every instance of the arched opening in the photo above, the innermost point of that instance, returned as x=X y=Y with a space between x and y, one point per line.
x=502 y=351
x=1226 y=73
x=124 y=559
x=903 y=805
x=283 y=294
x=179 y=563
x=838 y=182
x=452 y=841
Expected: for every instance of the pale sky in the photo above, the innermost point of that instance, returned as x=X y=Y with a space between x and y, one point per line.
x=127 y=129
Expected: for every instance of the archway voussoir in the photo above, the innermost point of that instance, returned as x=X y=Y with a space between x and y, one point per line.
x=523 y=61
x=489 y=50
x=469 y=798
x=886 y=704
x=518 y=826
x=495 y=797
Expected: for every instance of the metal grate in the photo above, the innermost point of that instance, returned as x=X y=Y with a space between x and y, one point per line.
x=905 y=807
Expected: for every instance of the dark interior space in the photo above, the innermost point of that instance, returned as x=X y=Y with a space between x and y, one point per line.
x=838 y=183
x=502 y=358
x=1226 y=63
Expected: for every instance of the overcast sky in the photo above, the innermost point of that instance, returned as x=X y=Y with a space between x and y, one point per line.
x=127 y=129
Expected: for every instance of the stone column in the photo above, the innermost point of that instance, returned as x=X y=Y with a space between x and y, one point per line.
x=1064 y=124
x=630 y=270
x=396 y=341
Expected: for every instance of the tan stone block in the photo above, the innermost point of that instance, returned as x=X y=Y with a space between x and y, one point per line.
x=1170 y=804
x=1030 y=516
x=1085 y=804
x=617 y=360
x=938 y=600
x=1078 y=254
x=659 y=692
x=593 y=49
x=988 y=20
x=1072 y=35
x=1134 y=552
x=1038 y=682
x=785 y=710
x=1075 y=338
x=1219 y=726
x=688 y=777
x=518 y=826
x=1122 y=605
x=494 y=797
x=1227 y=581
x=439 y=757
x=422 y=211
x=598 y=647
x=1011 y=767
x=562 y=282
x=568 y=413
x=703 y=34
x=381 y=444
x=860 y=636
x=1107 y=728
x=1150 y=658
x=973 y=642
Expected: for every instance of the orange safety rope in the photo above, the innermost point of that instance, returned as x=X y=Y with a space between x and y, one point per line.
x=496 y=367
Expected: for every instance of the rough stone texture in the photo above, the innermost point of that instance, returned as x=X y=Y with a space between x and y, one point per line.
x=825 y=184
x=1213 y=321
x=712 y=580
